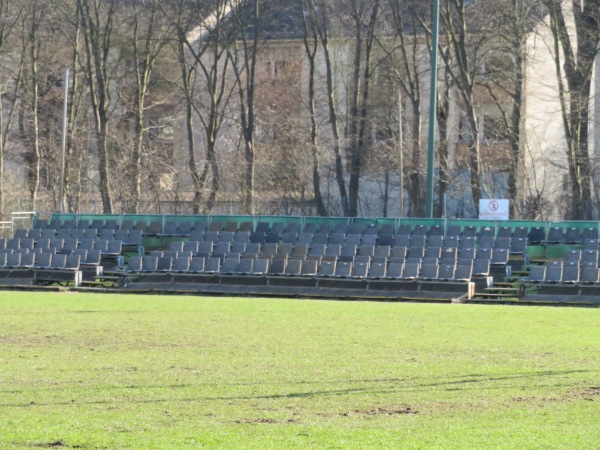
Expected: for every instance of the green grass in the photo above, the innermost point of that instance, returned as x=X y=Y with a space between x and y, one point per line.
x=110 y=371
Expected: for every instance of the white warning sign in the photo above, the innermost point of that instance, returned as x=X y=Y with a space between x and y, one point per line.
x=493 y=209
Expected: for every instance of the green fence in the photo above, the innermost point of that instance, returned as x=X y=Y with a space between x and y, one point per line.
x=332 y=221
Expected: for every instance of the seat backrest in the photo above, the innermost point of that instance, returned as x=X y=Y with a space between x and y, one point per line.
x=277 y=266
x=395 y=270
x=260 y=266
x=43 y=260
x=537 y=274
x=411 y=270
x=571 y=274
x=327 y=268
x=245 y=265
x=590 y=274
x=164 y=264
x=343 y=269
x=197 y=264
x=134 y=264
x=59 y=261
x=463 y=272
x=378 y=270
x=149 y=263
x=212 y=265
x=182 y=264
x=429 y=271
x=72 y=262
x=359 y=270
x=446 y=271
x=481 y=267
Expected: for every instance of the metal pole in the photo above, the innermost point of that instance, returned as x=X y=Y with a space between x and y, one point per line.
x=432 y=109
x=61 y=195
x=401 y=151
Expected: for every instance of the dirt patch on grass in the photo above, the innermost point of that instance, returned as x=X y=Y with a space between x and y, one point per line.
x=261 y=420
x=54 y=444
x=591 y=393
x=388 y=411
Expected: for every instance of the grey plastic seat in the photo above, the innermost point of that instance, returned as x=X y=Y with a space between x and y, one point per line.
x=590 y=244
x=164 y=264
x=553 y=274
x=466 y=254
x=149 y=263
x=463 y=272
x=13 y=260
x=446 y=272
x=212 y=265
x=197 y=264
x=260 y=266
x=485 y=242
x=72 y=262
x=435 y=241
x=27 y=260
x=590 y=275
x=572 y=235
x=327 y=269
x=481 y=267
x=429 y=271
x=385 y=239
x=433 y=252
x=518 y=245
x=293 y=267
x=277 y=267
x=556 y=235
x=59 y=261
x=395 y=270
x=377 y=270
x=245 y=266
x=309 y=267
x=359 y=270
x=134 y=264
x=571 y=274
x=42 y=261
x=343 y=269
x=499 y=256
x=573 y=255
x=537 y=274
x=411 y=270
x=368 y=239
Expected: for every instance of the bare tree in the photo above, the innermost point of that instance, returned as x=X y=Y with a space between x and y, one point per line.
x=467 y=43
x=320 y=17
x=11 y=86
x=575 y=53
x=96 y=20
x=243 y=55
x=311 y=45
x=32 y=21
x=149 y=35
x=364 y=17
x=406 y=21
x=202 y=54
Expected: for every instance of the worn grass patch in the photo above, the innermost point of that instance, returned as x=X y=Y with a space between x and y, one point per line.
x=107 y=371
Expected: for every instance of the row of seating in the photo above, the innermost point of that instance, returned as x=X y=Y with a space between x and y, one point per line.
x=128 y=237
x=341 y=251
x=56 y=261
x=409 y=270
x=105 y=247
x=577 y=266
x=185 y=228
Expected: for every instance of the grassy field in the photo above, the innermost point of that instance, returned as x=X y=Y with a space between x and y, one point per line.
x=108 y=371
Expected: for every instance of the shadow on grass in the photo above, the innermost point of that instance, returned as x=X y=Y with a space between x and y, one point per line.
x=473 y=381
